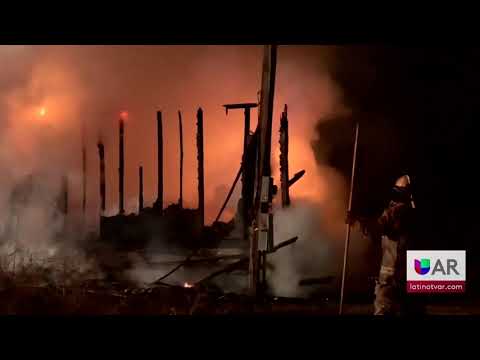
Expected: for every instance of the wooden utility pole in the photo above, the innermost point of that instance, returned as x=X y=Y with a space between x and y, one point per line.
x=284 y=159
x=121 y=167
x=261 y=237
x=159 y=203
x=201 y=185
x=101 y=154
x=180 y=128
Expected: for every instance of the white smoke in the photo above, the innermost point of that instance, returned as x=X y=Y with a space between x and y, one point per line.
x=34 y=160
x=311 y=256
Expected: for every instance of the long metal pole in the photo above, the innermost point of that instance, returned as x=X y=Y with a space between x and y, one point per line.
x=347 y=236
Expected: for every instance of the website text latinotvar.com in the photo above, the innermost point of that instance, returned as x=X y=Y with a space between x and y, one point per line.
x=428 y=287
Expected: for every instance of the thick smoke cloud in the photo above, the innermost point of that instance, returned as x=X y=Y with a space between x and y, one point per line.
x=92 y=84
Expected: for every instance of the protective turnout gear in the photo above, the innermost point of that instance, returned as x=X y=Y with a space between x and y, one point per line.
x=391 y=278
x=395 y=225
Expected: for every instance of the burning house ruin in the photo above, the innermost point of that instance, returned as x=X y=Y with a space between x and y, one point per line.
x=175 y=229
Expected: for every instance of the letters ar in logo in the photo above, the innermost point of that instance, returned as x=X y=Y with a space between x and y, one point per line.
x=422 y=267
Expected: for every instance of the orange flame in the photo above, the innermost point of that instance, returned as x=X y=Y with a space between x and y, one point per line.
x=124 y=115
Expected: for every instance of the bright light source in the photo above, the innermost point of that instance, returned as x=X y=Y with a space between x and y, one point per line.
x=124 y=115
x=42 y=112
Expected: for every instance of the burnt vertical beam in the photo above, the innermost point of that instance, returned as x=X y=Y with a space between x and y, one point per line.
x=284 y=176
x=101 y=154
x=159 y=202
x=121 y=166
x=246 y=130
x=266 y=110
x=140 y=189
x=249 y=180
x=180 y=128
x=201 y=185
x=84 y=171
x=64 y=202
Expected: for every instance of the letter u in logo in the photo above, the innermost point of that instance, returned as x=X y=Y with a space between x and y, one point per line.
x=422 y=266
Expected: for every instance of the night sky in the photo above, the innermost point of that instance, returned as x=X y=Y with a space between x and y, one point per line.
x=418 y=111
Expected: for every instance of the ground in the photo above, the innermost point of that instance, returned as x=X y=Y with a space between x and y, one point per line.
x=175 y=300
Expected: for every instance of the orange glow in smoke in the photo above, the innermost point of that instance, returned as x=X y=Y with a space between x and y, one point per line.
x=42 y=112
x=124 y=115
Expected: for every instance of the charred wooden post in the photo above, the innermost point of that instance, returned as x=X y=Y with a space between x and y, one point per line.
x=140 y=189
x=296 y=177
x=260 y=238
x=101 y=154
x=201 y=185
x=64 y=196
x=180 y=128
x=248 y=186
x=284 y=179
x=84 y=171
x=284 y=243
x=159 y=203
x=121 y=167
x=246 y=130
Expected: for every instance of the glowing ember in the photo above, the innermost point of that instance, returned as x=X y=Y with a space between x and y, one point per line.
x=42 y=112
x=187 y=285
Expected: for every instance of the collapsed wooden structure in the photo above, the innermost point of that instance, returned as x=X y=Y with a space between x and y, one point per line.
x=171 y=228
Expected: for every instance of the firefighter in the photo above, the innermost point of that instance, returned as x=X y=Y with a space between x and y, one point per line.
x=394 y=227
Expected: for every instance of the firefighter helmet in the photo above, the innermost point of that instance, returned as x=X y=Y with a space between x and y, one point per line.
x=402 y=188
x=403 y=182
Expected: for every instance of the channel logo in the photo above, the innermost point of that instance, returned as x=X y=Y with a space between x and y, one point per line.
x=422 y=266
x=436 y=271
